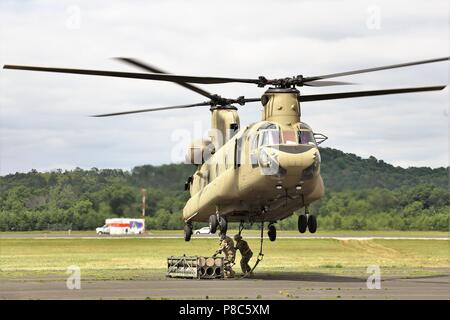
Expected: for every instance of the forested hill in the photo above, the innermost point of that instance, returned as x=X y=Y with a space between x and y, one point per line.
x=340 y=171
x=360 y=194
x=343 y=171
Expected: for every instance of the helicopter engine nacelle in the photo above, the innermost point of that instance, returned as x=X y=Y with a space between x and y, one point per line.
x=199 y=151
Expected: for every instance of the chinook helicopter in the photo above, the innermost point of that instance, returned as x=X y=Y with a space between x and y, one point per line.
x=262 y=172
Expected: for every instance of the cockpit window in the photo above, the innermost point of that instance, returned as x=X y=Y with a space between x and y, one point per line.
x=306 y=137
x=289 y=137
x=270 y=135
x=305 y=126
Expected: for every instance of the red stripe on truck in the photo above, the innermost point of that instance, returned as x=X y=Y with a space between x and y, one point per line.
x=120 y=225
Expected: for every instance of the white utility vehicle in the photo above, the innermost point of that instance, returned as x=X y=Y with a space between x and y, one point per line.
x=122 y=226
x=204 y=230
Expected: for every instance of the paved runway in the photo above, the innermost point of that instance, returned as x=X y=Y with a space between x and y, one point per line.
x=283 y=286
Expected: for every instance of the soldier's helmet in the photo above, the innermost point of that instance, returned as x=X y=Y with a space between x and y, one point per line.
x=237 y=237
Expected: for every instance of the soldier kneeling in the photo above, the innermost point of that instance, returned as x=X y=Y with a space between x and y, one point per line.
x=226 y=246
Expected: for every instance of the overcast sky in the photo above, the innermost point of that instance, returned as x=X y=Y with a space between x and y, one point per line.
x=44 y=123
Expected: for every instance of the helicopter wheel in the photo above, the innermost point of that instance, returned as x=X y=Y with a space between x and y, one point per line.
x=312 y=223
x=302 y=223
x=213 y=224
x=272 y=232
x=187 y=231
x=223 y=225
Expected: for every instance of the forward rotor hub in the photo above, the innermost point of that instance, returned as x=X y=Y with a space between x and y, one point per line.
x=283 y=82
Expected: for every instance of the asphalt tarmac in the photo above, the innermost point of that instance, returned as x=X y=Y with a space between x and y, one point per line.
x=262 y=286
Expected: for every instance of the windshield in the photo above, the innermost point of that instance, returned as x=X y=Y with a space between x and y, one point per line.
x=306 y=137
x=269 y=134
x=289 y=137
x=269 y=137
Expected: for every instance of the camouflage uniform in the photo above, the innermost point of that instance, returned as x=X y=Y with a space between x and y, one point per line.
x=227 y=248
x=246 y=254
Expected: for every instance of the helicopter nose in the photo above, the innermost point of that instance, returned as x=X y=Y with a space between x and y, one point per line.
x=288 y=160
x=297 y=158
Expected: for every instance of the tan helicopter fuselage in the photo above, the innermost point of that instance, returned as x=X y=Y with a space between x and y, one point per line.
x=262 y=172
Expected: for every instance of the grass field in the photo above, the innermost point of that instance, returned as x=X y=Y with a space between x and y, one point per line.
x=320 y=232
x=137 y=258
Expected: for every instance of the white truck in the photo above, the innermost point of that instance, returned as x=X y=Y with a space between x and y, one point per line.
x=122 y=226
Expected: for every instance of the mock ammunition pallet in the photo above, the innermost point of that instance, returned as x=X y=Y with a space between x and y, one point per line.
x=195 y=267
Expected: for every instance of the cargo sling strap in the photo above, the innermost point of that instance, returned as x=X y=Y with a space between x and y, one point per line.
x=260 y=255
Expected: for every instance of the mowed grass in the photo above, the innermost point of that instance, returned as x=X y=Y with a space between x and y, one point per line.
x=320 y=232
x=133 y=258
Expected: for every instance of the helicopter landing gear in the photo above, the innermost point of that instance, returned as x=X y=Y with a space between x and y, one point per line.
x=302 y=223
x=213 y=223
x=223 y=225
x=307 y=221
x=218 y=222
x=187 y=231
x=312 y=223
x=272 y=232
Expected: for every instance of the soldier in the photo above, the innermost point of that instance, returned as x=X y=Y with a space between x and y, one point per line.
x=227 y=248
x=246 y=253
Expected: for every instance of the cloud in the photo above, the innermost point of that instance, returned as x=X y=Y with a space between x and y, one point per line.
x=43 y=117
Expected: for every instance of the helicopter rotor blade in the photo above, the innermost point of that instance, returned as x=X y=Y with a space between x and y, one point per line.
x=206 y=103
x=355 y=94
x=241 y=101
x=401 y=65
x=134 y=75
x=141 y=65
x=327 y=83
x=261 y=81
x=154 y=69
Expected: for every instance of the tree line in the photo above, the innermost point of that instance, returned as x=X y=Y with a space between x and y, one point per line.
x=361 y=194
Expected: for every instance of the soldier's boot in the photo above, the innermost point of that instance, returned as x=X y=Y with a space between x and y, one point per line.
x=229 y=274
x=243 y=267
